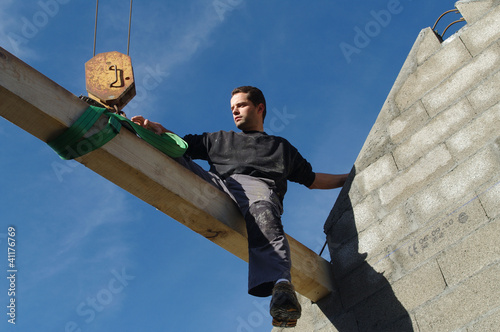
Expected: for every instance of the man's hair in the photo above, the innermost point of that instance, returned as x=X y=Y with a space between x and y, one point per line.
x=254 y=95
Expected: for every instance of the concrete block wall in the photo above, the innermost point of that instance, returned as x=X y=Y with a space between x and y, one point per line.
x=414 y=235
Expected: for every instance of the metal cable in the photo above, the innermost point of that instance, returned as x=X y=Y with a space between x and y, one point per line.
x=322 y=249
x=95 y=27
x=129 y=26
x=440 y=17
x=449 y=25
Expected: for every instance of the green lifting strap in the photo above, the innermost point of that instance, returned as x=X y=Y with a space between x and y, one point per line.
x=70 y=144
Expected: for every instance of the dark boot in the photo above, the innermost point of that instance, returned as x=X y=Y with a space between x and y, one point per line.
x=285 y=308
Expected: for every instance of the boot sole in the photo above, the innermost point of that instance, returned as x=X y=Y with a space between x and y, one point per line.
x=285 y=313
x=284 y=323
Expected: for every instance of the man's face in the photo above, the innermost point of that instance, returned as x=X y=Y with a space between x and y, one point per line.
x=246 y=115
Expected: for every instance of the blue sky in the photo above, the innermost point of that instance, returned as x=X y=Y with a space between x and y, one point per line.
x=92 y=257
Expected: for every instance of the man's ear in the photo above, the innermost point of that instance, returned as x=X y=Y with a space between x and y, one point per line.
x=260 y=108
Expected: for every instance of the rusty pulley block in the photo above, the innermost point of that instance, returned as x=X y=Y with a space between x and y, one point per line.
x=109 y=76
x=109 y=79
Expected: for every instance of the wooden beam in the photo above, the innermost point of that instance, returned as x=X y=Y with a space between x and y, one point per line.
x=44 y=109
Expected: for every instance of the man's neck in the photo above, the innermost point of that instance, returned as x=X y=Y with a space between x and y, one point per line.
x=252 y=131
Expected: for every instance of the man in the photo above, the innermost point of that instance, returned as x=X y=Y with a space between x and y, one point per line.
x=253 y=169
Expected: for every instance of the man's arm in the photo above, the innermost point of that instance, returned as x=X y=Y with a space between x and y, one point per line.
x=328 y=181
x=155 y=127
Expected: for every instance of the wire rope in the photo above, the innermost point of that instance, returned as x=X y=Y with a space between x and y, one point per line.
x=95 y=25
x=129 y=26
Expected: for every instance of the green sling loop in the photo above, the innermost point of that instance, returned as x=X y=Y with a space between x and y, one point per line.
x=70 y=145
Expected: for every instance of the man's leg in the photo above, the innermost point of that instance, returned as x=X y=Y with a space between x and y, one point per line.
x=268 y=248
x=269 y=251
x=198 y=170
x=269 y=263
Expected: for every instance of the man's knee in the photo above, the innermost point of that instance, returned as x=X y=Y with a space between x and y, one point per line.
x=263 y=223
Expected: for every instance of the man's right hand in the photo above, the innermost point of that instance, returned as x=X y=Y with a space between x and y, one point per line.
x=155 y=127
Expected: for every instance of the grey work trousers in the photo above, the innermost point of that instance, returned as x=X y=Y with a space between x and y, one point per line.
x=268 y=248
